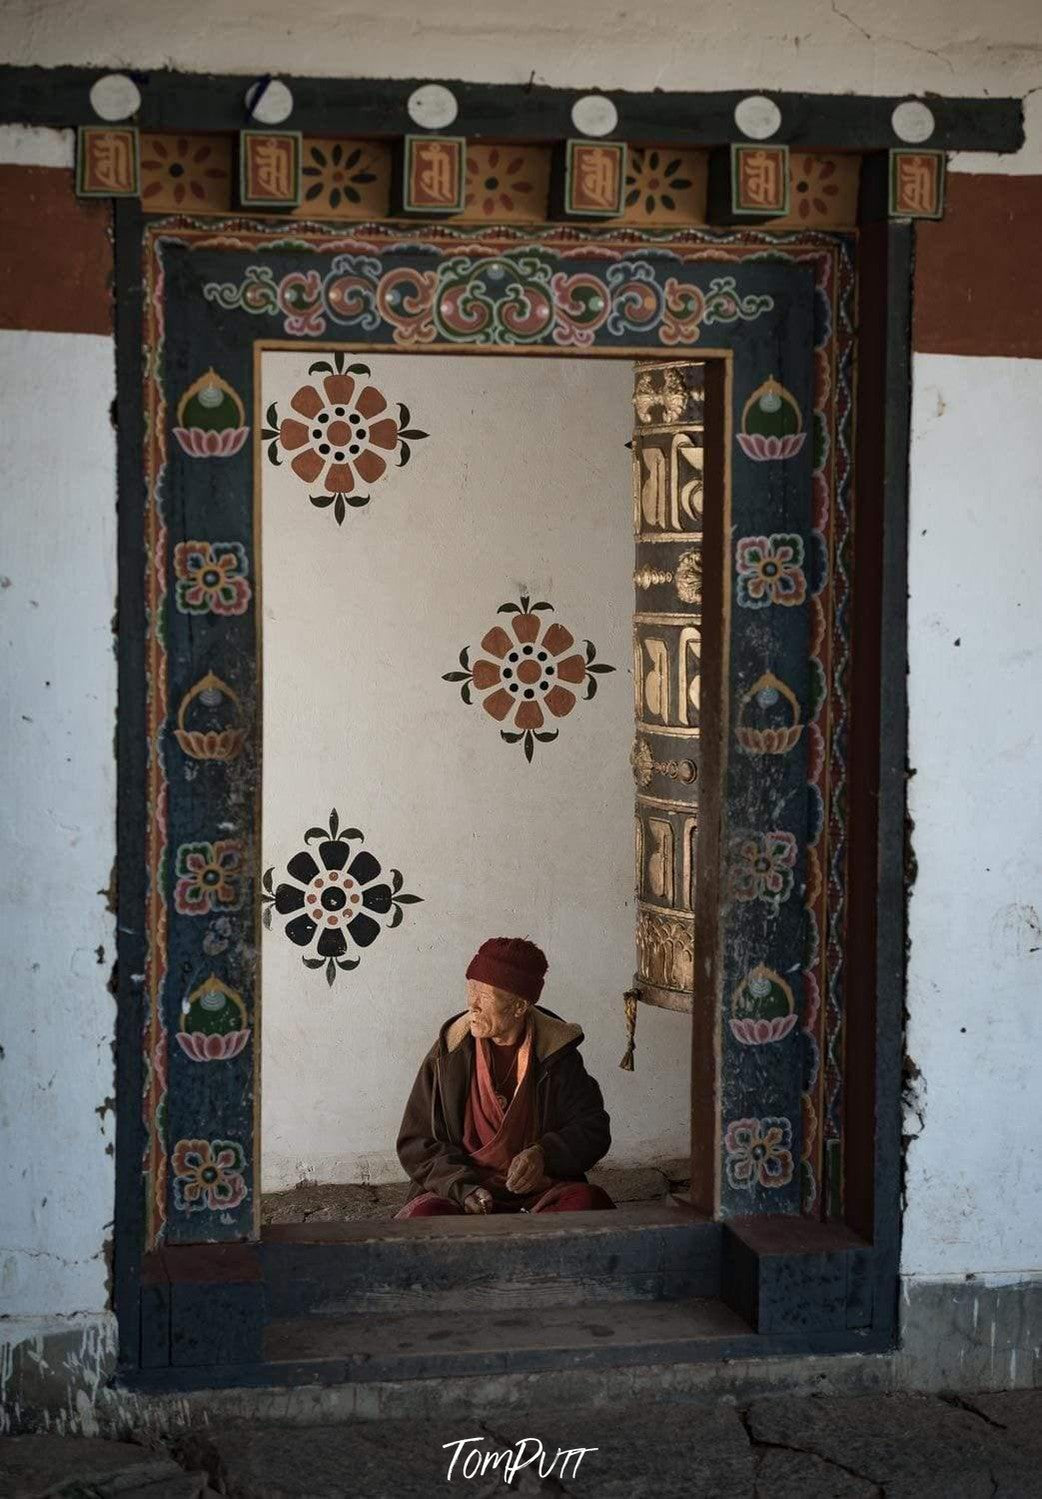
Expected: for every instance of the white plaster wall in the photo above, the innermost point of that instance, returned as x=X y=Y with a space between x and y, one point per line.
x=57 y=830
x=868 y=46
x=522 y=487
x=975 y=975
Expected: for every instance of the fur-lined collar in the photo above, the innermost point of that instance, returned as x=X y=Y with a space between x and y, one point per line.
x=551 y=1033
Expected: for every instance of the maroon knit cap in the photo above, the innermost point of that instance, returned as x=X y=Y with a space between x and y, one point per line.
x=510 y=963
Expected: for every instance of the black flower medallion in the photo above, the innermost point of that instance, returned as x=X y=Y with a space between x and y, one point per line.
x=337 y=899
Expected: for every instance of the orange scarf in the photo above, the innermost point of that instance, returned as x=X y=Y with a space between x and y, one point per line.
x=494 y=1135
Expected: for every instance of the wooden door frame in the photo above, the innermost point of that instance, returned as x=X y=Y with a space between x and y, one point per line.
x=791 y=1278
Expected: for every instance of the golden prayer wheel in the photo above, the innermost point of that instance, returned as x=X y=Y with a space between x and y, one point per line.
x=668 y=486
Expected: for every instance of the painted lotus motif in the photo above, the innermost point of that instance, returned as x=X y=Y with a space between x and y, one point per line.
x=769 y=721
x=208 y=1174
x=762 y=1032
x=209 y=721
x=340 y=437
x=527 y=672
x=763 y=448
x=334 y=897
x=772 y=424
x=211 y=577
x=758 y=1152
x=762 y=866
x=213 y=1023
x=203 y=1048
x=763 y=1009
x=198 y=443
x=208 y=877
x=211 y=419
x=770 y=571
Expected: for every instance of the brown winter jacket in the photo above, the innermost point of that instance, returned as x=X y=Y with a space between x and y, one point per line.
x=571 y=1124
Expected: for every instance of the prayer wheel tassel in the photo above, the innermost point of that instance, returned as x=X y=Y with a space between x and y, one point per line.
x=630 y=999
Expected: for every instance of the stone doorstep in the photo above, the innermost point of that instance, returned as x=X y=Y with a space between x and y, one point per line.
x=459 y=1264
x=333 y=1202
x=422 y=1345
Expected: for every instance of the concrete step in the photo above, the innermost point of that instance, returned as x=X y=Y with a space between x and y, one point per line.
x=490 y=1341
x=648 y=1253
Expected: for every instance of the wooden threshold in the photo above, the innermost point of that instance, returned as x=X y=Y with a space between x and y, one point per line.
x=496 y=1226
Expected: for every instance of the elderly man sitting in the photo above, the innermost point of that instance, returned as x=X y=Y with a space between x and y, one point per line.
x=503 y=1116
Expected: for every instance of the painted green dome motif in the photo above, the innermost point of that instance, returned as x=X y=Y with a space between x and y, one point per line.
x=763 y=996
x=772 y=424
x=211 y=419
x=771 y=412
x=210 y=405
x=213 y=1022
x=762 y=1008
x=213 y=1009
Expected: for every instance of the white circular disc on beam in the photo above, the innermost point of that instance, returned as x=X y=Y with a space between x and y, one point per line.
x=432 y=106
x=757 y=117
x=269 y=103
x=913 y=122
x=595 y=115
x=115 y=97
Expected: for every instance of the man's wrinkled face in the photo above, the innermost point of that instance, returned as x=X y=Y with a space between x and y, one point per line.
x=494 y=1013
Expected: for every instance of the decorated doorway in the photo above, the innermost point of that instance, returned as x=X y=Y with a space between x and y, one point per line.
x=766 y=322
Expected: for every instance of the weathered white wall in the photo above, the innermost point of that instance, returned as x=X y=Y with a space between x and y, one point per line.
x=523 y=486
x=975 y=975
x=57 y=594
x=871 y=46
x=867 y=46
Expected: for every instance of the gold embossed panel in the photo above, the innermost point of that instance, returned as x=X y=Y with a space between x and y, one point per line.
x=668 y=468
x=668 y=483
x=666 y=657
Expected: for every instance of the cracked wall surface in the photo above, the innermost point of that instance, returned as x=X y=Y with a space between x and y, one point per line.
x=974 y=1194
x=57 y=1017
x=868 y=46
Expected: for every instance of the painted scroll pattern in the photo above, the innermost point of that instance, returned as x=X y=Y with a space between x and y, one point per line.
x=515 y=297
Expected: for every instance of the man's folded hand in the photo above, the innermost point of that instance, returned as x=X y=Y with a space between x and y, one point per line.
x=527 y=1171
